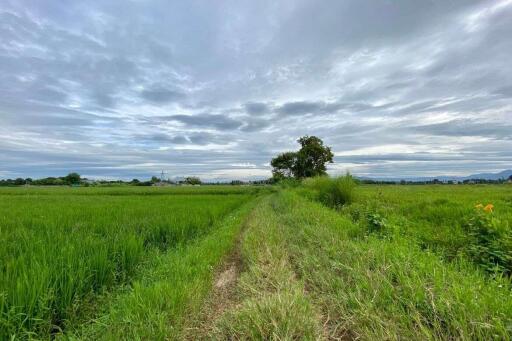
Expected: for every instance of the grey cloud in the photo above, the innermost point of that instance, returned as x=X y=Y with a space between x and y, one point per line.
x=254 y=125
x=164 y=138
x=325 y=107
x=304 y=107
x=256 y=108
x=195 y=138
x=205 y=121
x=465 y=127
x=161 y=96
x=362 y=74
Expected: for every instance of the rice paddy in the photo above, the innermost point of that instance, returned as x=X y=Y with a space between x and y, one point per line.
x=60 y=247
x=314 y=262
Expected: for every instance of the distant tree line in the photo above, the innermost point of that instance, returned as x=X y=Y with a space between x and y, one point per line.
x=74 y=179
x=70 y=179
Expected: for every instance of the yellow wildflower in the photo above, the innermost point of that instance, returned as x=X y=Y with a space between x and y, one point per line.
x=479 y=206
x=489 y=208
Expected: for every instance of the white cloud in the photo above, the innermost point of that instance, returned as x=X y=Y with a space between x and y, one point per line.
x=219 y=88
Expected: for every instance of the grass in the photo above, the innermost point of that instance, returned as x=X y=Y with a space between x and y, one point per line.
x=169 y=288
x=314 y=273
x=378 y=288
x=273 y=304
x=382 y=262
x=333 y=192
x=62 y=246
x=442 y=219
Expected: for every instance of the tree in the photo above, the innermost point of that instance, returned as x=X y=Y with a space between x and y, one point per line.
x=283 y=165
x=312 y=157
x=309 y=161
x=193 y=180
x=154 y=179
x=72 y=178
x=19 y=181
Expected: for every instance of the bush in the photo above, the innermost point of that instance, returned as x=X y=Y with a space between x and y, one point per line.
x=376 y=223
x=332 y=192
x=490 y=243
x=289 y=183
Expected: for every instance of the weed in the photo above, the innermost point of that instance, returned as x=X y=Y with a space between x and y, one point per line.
x=490 y=244
x=376 y=223
x=332 y=192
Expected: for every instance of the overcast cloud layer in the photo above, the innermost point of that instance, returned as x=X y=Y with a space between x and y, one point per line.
x=123 y=89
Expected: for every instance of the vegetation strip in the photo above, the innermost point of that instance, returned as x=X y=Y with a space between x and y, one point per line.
x=271 y=300
x=311 y=272
x=173 y=287
x=61 y=252
x=222 y=296
x=448 y=220
x=373 y=288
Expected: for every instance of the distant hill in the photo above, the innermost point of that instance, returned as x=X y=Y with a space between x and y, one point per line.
x=487 y=176
x=492 y=176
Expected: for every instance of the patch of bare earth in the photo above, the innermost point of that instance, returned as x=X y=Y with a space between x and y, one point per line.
x=222 y=297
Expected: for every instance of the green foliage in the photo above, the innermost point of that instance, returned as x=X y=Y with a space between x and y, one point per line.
x=490 y=243
x=309 y=161
x=72 y=178
x=273 y=304
x=19 y=181
x=376 y=223
x=61 y=246
x=193 y=180
x=137 y=263
x=283 y=165
x=168 y=290
x=386 y=289
x=312 y=157
x=443 y=220
x=289 y=183
x=333 y=192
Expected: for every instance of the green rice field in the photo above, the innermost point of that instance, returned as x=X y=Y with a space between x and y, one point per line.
x=423 y=262
x=62 y=246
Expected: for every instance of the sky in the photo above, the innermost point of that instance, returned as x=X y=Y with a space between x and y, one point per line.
x=127 y=88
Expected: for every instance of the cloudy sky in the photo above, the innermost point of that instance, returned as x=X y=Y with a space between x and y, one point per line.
x=123 y=89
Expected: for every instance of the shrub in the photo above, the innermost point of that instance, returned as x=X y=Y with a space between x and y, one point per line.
x=376 y=223
x=490 y=242
x=289 y=183
x=332 y=192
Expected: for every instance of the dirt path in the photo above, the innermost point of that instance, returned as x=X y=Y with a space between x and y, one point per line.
x=223 y=296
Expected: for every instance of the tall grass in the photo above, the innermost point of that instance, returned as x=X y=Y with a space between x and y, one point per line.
x=443 y=219
x=167 y=291
x=274 y=304
x=58 y=249
x=375 y=288
x=333 y=192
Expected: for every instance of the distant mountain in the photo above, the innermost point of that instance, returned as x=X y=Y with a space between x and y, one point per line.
x=492 y=176
x=487 y=176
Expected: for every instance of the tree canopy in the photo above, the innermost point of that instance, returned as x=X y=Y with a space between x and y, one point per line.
x=310 y=160
x=72 y=178
x=193 y=180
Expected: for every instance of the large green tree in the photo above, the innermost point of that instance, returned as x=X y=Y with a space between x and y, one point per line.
x=72 y=178
x=309 y=161
x=283 y=164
